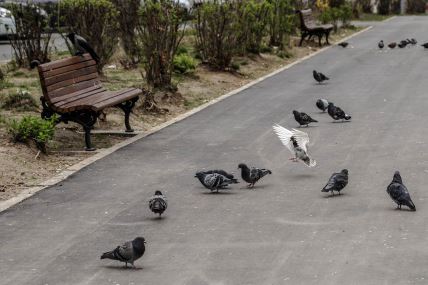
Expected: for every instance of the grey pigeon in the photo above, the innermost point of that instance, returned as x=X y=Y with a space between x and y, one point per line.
x=337 y=182
x=403 y=44
x=319 y=77
x=303 y=118
x=34 y=64
x=219 y=171
x=399 y=193
x=381 y=44
x=413 y=41
x=337 y=113
x=392 y=45
x=214 y=181
x=425 y=45
x=297 y=143
x=82 y=46
x=343 y=44
x=158 y=203
x=322 y=104
x=128 y=252
x=253 y=174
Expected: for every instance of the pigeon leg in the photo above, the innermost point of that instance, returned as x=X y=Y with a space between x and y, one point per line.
x=332 y=193
x=126 y=264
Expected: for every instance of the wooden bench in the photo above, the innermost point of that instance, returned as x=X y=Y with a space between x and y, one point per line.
x=72 y=89
x=309 y=27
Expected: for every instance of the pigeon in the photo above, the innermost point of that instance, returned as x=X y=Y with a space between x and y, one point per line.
x=381 y=44
x=337 y=182
x=322 y=104
x=319 y=77
x=158 y=203
x=336 y=113
x=214 y=181
x=128 y=252
x=399 y=193
x=392 y=45
x=219 y=171
x=343 y=44
x=82 y=46
x=402 y=44
x=253 y=174
x=34 y=64
x=303 y=118
x=425 y=45
x=297 y=142
x=413 y=41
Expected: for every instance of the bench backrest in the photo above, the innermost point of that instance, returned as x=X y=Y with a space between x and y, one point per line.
x=306 y=19
x=69 y=75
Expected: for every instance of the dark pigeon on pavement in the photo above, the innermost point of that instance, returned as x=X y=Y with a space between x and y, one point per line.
x=128 y=252
x=219 y=171
x=425 y=45
x=392 y=45
x=381 y=44
x=413 y=41
x=399 y=193
x=158 y=203
x=322 y=104
x=319 y=77
x=253 y=174
x=402 y=44
x=82 y=46
x=337 y=182
x=303 y=118
x=337 y=113
x=343 y=44
x=214 y=181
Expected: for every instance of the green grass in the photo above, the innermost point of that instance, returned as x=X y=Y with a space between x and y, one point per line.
x=373 y=17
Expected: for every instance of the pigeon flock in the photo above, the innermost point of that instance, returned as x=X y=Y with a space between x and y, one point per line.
x=296 y=141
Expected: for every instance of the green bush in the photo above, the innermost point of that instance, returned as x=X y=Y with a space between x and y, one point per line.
x=235 y=66
x=346 y=14
x=97 y=22
x=184 y=63
x=415 y=6
x=33 y=128
x=21 y=101
x=218 y=32
x=384 y=7
x=253 y=24
x=2 y=76
x=281 y=22
x=181 y=50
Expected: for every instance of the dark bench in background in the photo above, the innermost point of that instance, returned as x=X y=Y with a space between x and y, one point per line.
x=72 y=89
x=309 y=28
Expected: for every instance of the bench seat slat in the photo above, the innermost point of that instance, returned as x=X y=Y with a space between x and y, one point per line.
x=77 y=93
x=80 y=96
x=65 y=83
x=70 y=75
x=67 y=68
x=72 y=89
x=63 y=62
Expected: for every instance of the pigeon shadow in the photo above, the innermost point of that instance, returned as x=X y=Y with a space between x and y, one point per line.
x=306 y=127
x=402 y=209
x=340 y=122
x=330 y=196
x=224 y=192
x=306 y=175
x=157 y=218
x=122 y=268
x=255 y=187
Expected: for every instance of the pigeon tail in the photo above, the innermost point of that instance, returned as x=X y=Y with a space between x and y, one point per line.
x=312 y=163
x=411 y=205
x=347 y=117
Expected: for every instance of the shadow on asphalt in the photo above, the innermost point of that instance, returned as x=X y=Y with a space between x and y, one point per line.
x=122 y=268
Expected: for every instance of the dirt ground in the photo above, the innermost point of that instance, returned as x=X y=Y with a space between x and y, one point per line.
x=22 y=166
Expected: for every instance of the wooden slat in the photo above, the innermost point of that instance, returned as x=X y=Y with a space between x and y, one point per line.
x=63 y=62
x=115 y=100
x=70 y=75
x=87 y=101
x=76 y=100
x=72 y=88
x=73 y=81
x=57 y=71
x=59 y=101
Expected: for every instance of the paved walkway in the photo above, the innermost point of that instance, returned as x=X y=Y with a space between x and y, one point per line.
x=285 y=231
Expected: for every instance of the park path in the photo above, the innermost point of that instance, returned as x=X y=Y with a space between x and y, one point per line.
x=285 y=231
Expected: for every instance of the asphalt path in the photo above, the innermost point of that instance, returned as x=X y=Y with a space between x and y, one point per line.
x=285 y=231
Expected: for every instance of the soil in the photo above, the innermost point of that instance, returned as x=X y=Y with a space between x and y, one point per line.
x=22 y=166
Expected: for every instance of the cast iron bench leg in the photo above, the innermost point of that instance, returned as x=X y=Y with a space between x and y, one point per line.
x=127 y=109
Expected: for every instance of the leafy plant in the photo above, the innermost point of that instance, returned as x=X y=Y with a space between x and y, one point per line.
x=160 y=30
x=281 y=21
x=96 y=21
x=217 y=32
x=33 y=34
x=184 y=63
x=21 y=100
x=33 y=128
x=128 y=21
x=345 y=14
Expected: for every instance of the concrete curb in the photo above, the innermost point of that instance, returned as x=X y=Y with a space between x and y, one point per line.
x=103 y=153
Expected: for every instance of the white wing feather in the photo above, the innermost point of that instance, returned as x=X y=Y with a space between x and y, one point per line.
x=284 y=135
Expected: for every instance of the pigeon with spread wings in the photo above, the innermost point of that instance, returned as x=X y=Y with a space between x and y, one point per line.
x=297 y=142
